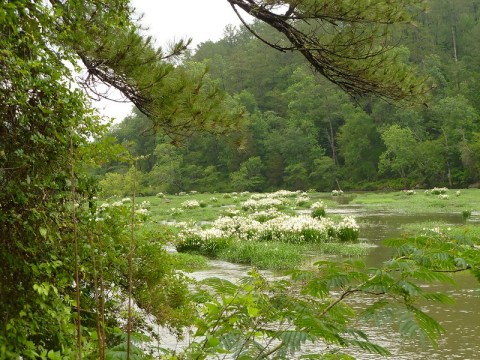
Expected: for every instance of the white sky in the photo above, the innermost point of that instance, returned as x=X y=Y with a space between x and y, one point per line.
x=169 y=20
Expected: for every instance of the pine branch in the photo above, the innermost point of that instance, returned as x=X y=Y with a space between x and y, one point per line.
x=354 y=58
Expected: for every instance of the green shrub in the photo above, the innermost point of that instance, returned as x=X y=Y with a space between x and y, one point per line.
x=466 y=214
x=209 y=247
x=347 y=234
x=318 y=213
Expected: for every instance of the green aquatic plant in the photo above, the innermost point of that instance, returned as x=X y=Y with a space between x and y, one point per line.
x=264 y=255
x=466 y=214
x=189 y=262
x=318 y=209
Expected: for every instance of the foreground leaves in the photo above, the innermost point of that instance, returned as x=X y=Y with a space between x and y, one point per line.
x=331 y=305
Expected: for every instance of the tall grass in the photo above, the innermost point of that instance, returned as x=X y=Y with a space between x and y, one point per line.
x=264 y=255
x=189 y=262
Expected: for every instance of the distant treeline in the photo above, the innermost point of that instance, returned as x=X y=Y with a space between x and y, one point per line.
x=301 y=132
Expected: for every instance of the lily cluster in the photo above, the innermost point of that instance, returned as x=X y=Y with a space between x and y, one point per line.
x=302 y=199
x=263 y=203
x=437 y=191
x=275 y=195
x=275 y=200
x=318 y=209
x=190 y=204
x=280 y=227
x=111 y=211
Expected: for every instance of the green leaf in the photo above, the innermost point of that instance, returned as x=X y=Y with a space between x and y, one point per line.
x=439 y=297
x=221 y=285
x=253 y=311
x=371 y=347
x=294 y=340
x=212 y=341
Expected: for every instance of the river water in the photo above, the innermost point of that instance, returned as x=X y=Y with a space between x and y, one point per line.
x=461 y=320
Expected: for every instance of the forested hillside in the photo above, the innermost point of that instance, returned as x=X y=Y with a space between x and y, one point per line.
x=299 y=131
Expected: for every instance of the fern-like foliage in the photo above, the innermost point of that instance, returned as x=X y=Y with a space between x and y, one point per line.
x=329 y=306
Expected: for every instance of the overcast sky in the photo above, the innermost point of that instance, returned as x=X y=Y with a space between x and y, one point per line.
x=169 y=20
x=173 y=19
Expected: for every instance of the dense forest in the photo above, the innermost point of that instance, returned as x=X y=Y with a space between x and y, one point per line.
x=299 y=131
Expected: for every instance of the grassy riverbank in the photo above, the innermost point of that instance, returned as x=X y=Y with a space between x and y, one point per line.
x=421 y=201
x=169 y=207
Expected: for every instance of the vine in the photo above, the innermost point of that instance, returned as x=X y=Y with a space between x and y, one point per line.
x=75 y=239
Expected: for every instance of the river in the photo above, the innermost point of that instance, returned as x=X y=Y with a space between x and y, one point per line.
x=461 y=320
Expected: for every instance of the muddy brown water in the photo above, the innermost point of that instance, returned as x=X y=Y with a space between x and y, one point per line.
x=461 y=321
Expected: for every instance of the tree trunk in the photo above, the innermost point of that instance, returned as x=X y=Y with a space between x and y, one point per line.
x=331 y=140
x=449 y=170
x=454 y=43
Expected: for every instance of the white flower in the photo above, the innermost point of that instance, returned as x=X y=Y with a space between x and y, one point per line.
x=302 y=199
x=284 y=193
x=190 y=204
x=145 y=204
x=276 y=226
x=337 y=192
x=349 y=223
x=437 y=191
x=267 y=202
x=104 y=206
x=317 y=205
x=142 y=211
x=175 y=211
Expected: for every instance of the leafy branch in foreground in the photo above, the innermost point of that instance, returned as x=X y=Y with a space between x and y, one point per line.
x=329 y=306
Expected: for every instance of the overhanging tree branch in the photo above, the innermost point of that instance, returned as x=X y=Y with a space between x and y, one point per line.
x=349 y=44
